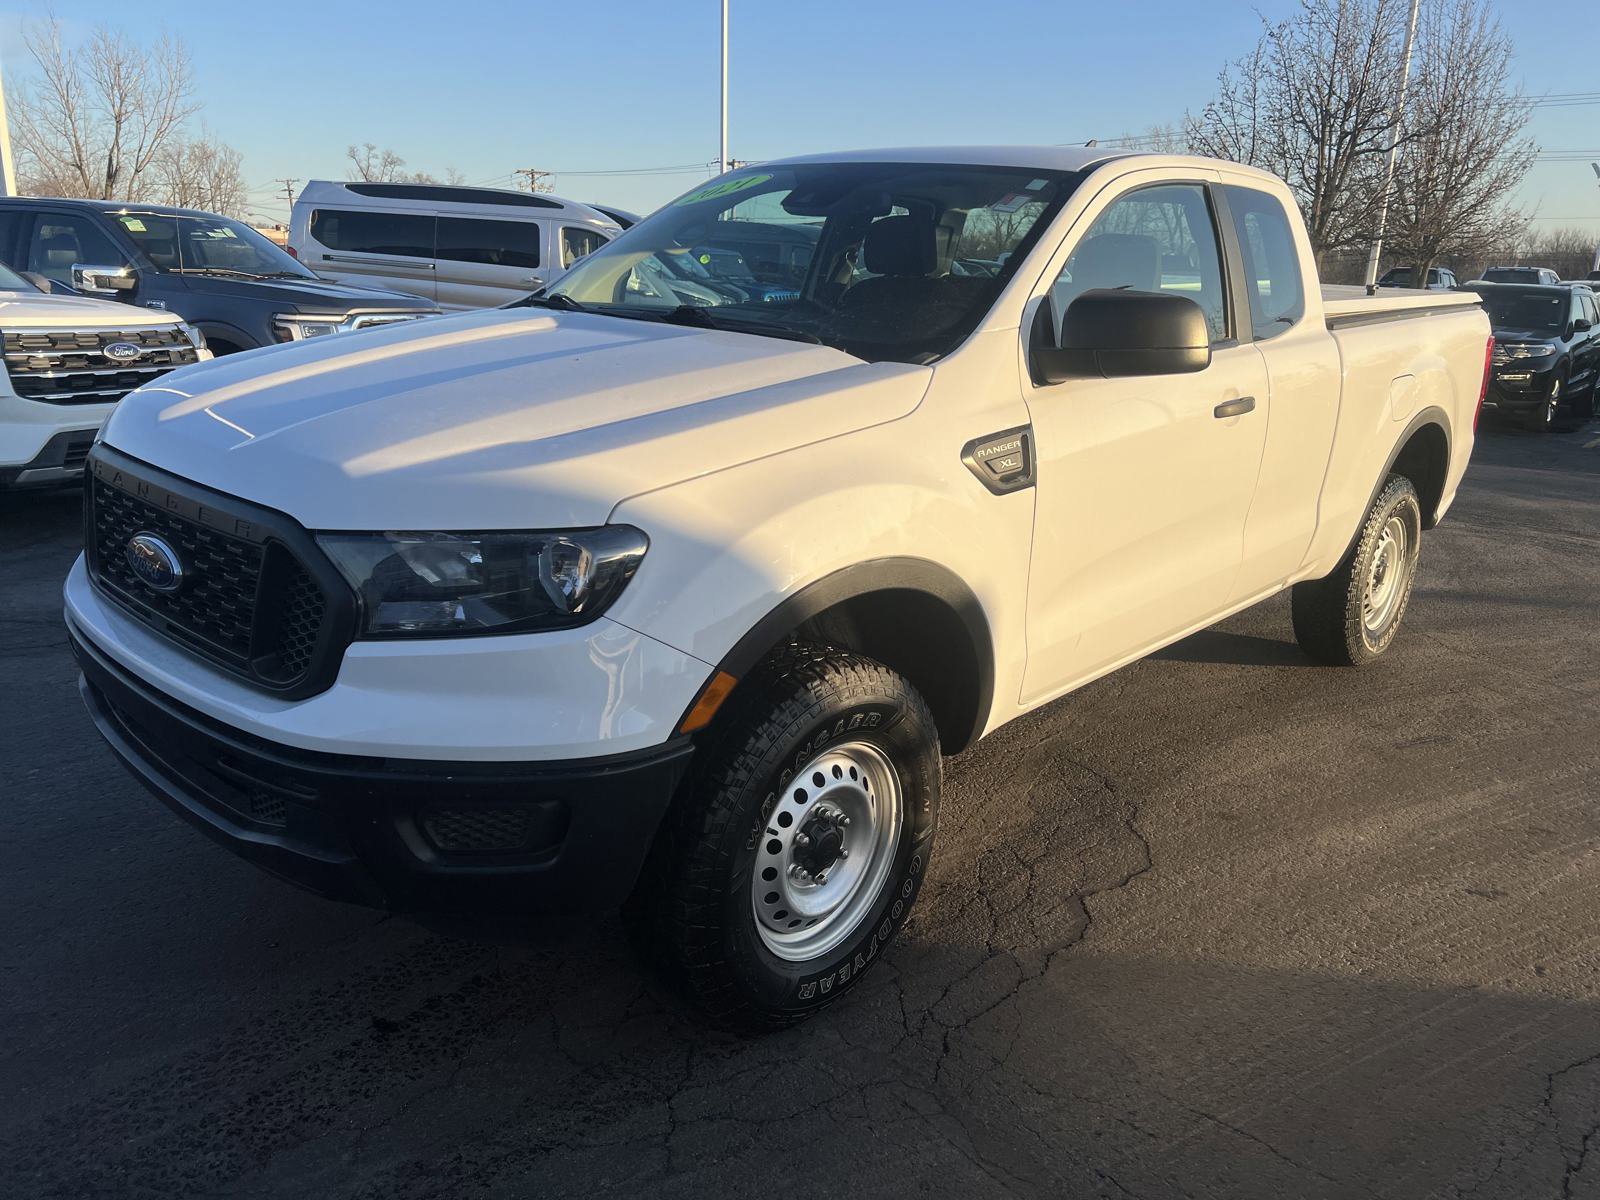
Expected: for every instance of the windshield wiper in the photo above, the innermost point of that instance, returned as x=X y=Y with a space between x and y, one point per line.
x=556 y=300
x=214 y=271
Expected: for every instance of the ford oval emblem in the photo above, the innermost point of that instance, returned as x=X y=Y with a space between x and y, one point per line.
x=155 y=564
x=123 y=352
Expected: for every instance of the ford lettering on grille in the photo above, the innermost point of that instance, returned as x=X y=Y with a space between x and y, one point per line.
x=154 y=563
x=123 y=352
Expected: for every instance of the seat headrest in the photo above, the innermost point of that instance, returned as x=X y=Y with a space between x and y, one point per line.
x=900 y=246
x=1117 y=260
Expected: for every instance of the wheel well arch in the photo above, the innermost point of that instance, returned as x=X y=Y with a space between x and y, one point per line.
x=228 y=335
x=1423 y=456
x=916 y=617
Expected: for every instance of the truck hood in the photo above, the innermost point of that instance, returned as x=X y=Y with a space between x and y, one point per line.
x=306 y=295
x=38 y=310
x=501 y=419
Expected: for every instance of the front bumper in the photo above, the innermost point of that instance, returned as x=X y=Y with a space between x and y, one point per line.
x=403 y=834
x=1514 y=390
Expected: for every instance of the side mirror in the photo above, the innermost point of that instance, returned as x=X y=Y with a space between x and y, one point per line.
x=1579 y=325
x=1117 y=332
x=103 y=281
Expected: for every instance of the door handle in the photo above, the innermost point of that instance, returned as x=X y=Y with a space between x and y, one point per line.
x=535 y=280
x=1234 y=408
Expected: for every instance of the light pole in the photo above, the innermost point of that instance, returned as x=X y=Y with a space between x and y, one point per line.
x=722 y=158
x=1394 y=150
x=8 y=166
x=1594 y=265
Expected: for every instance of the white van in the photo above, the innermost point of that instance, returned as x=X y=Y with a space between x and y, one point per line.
x=463 y=247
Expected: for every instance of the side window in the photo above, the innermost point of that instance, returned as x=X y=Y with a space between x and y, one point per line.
x=12 y=221
x=60 y=240
x=579 y=243
x=409 y=235
x=1591 y=313
x=492 y=243
x=1577 y=308
x=1271 y=262
x=1154 y=239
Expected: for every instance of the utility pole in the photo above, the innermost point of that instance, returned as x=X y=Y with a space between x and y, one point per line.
x=1394 y=151
x=536 y=179
x=8 y=165
x=723 y=165
x=288 y=192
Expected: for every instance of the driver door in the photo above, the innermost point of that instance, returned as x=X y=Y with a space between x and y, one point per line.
x=1144 y=483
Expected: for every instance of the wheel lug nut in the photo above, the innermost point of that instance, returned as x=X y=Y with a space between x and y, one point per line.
x=801 y=840
x=843 y=854
x=845 y=822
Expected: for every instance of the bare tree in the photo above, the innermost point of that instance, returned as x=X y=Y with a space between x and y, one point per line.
x=372 y=165
x=201 y=172
x=1311 y=102
x=1465 y=151
x=98 y=115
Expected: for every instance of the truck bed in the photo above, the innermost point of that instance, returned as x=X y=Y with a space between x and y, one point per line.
x=1347 y=303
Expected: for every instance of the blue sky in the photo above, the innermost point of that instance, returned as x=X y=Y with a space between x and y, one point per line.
x=487 y=86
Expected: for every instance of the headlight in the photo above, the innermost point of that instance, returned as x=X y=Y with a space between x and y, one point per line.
x=454 y=584
x=1535 y=350
x=294 y=327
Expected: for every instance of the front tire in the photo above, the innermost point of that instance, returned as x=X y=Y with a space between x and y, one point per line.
x=1543 y=418
x=799 y=845
x=1352 y=616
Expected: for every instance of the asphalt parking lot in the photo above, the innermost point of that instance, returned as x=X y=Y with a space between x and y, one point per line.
x=1225 y=924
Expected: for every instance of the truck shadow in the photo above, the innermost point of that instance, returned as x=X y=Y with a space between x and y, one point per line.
x=1234 y=649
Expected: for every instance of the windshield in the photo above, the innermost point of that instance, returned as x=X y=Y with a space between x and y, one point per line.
x=207 y=245
x=895 y=261
x=1541 y=311
x=10 y=281
x=1398 y=277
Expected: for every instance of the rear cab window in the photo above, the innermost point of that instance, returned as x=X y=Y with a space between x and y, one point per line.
x=1271 y=261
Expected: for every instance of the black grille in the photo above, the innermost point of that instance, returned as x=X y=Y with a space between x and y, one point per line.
x=248 y=600
x=215 y=607
x=71 y=367
x=477 y=830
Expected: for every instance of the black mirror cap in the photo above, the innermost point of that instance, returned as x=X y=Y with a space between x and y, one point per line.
x=1117 y=332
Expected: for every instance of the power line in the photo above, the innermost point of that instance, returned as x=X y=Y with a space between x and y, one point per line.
x=288 y=191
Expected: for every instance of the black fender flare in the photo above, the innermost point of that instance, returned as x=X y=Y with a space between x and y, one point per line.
x=875 y=576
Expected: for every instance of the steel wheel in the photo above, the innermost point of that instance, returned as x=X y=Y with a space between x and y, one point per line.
x=1387 y=577
x=827 y=851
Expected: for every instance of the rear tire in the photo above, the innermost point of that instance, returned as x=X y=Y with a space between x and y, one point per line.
x=747 y=903
x=1352 y=616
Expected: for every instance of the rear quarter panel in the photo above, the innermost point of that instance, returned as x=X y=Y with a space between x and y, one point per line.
x=1396 y=370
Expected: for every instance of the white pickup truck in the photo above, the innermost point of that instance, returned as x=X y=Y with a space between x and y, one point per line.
x=68 y=360
x=625 y=593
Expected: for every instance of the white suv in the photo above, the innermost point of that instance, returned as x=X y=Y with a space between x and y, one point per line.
x=68 y=360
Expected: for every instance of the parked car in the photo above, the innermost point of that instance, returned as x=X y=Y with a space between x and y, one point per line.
x=601 y=595
x=623 y=218
x=1546 y=351
x=1440 y=279
x=221 y=276
x=462 y=247
x=68 y=360
x=1536 y=275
